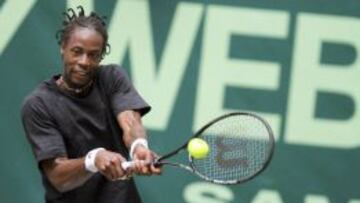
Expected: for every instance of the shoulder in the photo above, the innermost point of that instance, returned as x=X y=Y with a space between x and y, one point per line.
x=112 y=70
x=114 y=78
x=38 y=99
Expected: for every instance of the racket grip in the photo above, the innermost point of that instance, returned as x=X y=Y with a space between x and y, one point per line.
x=127 y=164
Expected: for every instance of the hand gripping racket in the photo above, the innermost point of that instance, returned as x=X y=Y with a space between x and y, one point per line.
x=241 y=147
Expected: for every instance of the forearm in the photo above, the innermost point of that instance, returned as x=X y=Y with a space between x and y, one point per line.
x=66 y=174
x=133 y=130
x=130 y=122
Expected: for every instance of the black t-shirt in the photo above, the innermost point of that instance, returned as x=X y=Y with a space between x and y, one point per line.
x=58 y=124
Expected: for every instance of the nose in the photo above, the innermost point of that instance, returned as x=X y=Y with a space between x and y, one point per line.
x=84 y=60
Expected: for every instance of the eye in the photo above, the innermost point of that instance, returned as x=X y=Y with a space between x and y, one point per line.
x=77 y=51
x=95 y=55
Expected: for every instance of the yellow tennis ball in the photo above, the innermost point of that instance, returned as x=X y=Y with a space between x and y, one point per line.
x=198 y=148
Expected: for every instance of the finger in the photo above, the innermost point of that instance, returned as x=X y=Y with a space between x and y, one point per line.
x=155 y=170
x=152 y=169
x=148 y=167
x=141 y=167
x=105 y=170
x=145 y=165
x=145 y=168
x=116 y=167
x=112 y=170
x=103 y=163
x=138 y=167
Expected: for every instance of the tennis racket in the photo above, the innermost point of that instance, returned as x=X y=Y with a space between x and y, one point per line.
x=241 y=147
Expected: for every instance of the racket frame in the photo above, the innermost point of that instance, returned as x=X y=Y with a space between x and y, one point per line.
x=191 y=167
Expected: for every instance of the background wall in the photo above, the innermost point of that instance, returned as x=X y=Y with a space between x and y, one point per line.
x=294 y=62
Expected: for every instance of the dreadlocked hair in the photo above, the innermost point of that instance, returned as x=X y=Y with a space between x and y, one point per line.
x=75 y=19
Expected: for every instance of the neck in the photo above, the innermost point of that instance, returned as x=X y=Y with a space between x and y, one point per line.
x=74 y=91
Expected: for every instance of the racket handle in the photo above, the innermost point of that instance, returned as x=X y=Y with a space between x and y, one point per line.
x=127 y=164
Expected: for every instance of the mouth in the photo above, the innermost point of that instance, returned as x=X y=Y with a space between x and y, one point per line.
x=81 y=77
x=82 y=73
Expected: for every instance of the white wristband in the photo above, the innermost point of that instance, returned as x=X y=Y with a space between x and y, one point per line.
x=138 y=141
x=90 y=160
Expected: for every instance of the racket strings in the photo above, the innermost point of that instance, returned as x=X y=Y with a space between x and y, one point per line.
x=240 y=147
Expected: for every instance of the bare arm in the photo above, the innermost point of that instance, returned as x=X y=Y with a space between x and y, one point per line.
x=66 y=174
x=130 y=122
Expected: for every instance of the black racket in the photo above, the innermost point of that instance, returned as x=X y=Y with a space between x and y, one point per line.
x=241 y=147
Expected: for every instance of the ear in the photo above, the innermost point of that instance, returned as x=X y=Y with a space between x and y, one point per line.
x=62 y=48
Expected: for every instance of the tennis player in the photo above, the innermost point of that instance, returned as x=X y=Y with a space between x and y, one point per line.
x=83 y=123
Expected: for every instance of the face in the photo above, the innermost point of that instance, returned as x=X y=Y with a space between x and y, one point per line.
x=81 y=55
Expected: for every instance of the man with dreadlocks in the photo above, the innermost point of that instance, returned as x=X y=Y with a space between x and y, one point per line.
x=82 y=124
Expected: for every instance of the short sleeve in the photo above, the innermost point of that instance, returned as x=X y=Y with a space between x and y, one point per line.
x=40 y=129
x=123 y=95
